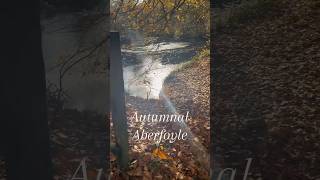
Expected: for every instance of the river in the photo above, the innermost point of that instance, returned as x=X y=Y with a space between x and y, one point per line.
x=145 y=65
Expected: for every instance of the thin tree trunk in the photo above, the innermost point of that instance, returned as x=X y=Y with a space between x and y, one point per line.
x=118 y=100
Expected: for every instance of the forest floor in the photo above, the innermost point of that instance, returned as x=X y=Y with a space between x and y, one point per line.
x=76 y=135
x=266 y=92
x=186 y=89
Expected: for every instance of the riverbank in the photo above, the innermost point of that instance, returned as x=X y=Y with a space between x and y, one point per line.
x=185 y=91
x=188 y=89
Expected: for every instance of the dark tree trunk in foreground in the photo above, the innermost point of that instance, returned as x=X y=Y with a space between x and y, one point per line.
x=24 y=127
x=118 y=101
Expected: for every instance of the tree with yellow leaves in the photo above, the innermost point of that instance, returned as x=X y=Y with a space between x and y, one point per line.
x=174 y=18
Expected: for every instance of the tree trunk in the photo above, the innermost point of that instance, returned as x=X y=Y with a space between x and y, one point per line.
x=118 y=101
x=24 y=130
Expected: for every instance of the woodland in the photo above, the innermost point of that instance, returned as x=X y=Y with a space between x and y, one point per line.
x=264 y=79
x=180 y=150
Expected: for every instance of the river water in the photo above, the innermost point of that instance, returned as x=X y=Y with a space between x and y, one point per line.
x=145 y=65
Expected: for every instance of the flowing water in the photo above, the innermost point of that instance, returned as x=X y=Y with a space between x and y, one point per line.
x=147 y=66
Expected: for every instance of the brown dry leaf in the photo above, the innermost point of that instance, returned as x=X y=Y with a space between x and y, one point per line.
x=146 y=174
x=136 y=172
x=160 y=154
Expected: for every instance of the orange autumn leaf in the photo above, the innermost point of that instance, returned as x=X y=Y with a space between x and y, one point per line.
x=160 y=154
